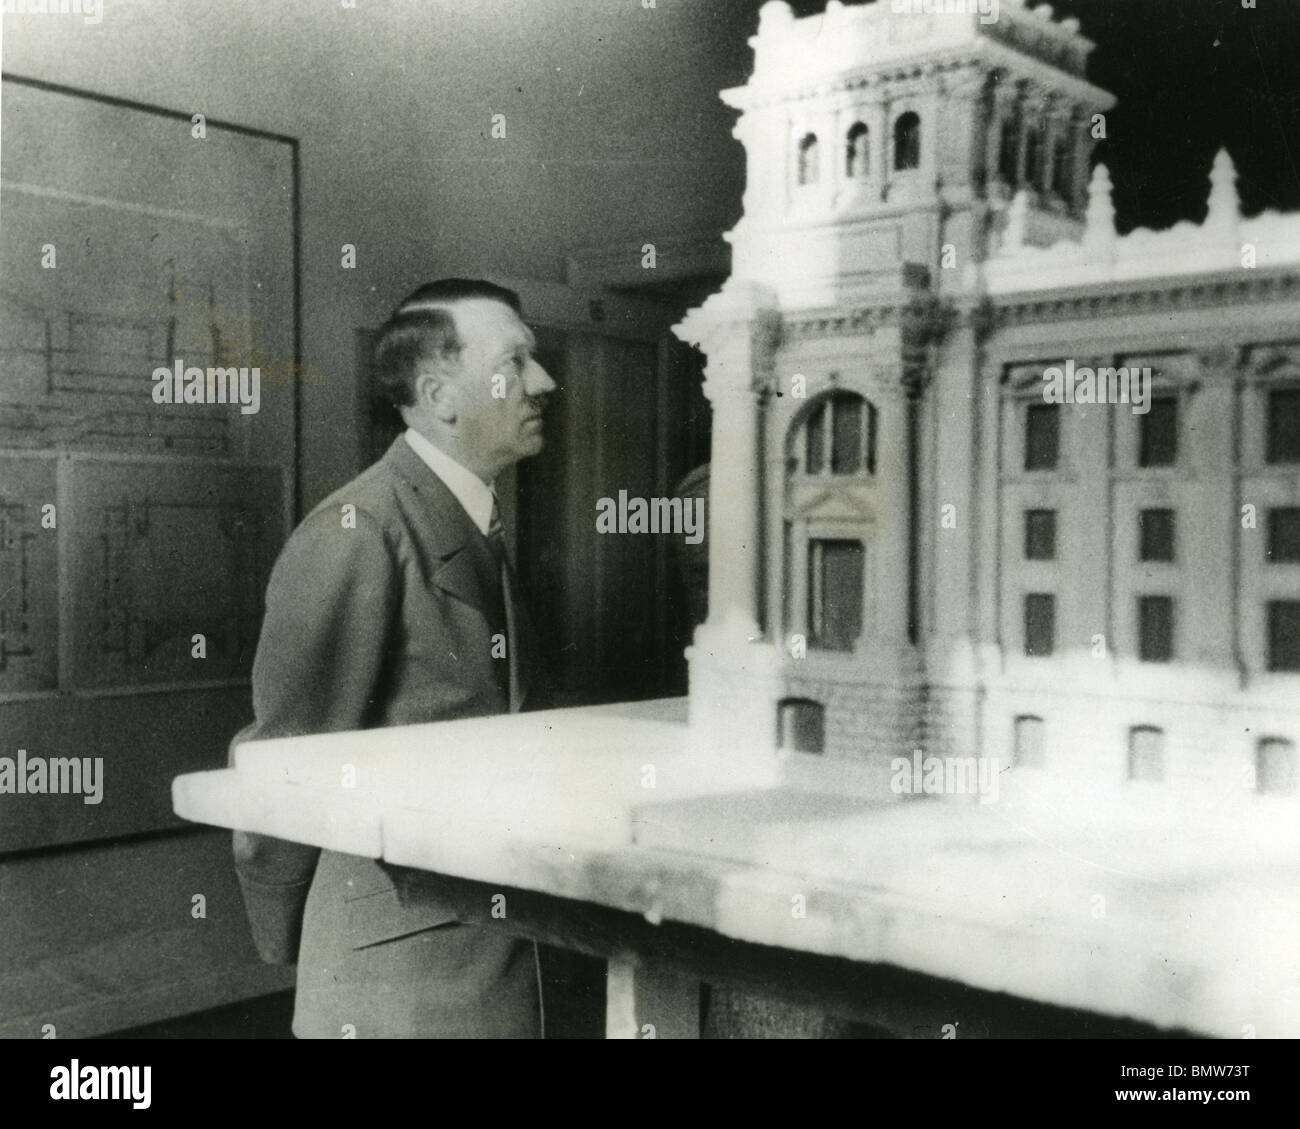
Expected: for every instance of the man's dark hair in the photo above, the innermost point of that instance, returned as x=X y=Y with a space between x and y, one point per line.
x=421 y=329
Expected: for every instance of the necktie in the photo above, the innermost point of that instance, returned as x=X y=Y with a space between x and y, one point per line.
x=496 y=538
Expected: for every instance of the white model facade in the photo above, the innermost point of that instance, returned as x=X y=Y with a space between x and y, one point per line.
x=911 y=545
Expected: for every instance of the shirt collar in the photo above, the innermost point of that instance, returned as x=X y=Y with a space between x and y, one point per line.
x=469 y=490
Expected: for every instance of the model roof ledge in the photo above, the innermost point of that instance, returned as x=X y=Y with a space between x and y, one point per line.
x=1224 y=241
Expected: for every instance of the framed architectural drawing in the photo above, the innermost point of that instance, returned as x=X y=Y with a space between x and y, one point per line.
x=148 y=414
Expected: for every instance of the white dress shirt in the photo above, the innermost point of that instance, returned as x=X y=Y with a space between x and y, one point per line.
x=470 y=491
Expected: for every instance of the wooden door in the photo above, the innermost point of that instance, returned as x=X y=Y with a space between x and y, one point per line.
x=629 y=416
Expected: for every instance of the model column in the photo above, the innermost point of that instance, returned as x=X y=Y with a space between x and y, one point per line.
x=735 y=673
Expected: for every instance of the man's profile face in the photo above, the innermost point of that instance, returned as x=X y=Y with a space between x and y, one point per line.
x=499 y=390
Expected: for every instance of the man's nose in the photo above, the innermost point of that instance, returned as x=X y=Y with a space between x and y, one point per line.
x=537 y=381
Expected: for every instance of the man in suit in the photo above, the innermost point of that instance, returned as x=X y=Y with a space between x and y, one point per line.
x=393 y=603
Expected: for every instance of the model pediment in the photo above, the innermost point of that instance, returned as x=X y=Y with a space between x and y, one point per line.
x=828 y=507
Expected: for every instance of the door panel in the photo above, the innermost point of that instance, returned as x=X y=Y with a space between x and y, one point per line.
x=611 y=608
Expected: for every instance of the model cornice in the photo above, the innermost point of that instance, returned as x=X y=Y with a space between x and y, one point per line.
x=1154 y=295
x=927 y=319
x=920 y=319
x=984 y=58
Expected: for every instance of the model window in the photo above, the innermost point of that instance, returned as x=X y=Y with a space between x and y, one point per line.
x=1040 y=624
x=1009 y=148
x=1283 y=634
x=1063 y=167
x=1156 y=536
x=1155 y=629
x=809 y=160
x=1040 y=535
x=840 y=436
x=1284 y=426
x=857 y=159
x=1029 y=752
x=1275 y=766
x=1284 y=535
x=1042 y=437
x=1034 y=156
x=1158 y=433
x=907 y=142
x=835 y=574
x=802 y=725
x=1146 y=754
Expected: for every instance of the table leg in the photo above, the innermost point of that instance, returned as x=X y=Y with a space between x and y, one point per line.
x=650 y=1001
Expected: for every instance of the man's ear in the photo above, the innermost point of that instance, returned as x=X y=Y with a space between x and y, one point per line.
x=444 y=404
x=433 y=392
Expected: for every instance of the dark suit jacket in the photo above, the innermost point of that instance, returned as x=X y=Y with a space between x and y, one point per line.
x=378 y=615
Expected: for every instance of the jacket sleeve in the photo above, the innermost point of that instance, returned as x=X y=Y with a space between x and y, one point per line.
x=329 y=608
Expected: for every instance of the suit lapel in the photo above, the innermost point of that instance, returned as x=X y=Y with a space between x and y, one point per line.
x=461 y=575
x=459 y=560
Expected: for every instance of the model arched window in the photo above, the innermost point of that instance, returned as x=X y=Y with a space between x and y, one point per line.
x=809 y=159
x=857 y=158
x=1146 y=754
x=840 y=435
x=1029 y=742
x=801 y=725
x=907 y=142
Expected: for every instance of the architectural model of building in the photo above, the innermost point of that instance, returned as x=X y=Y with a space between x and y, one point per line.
x=918 y=540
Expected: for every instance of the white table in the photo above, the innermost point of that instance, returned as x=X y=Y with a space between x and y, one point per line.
x=1121 y=908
